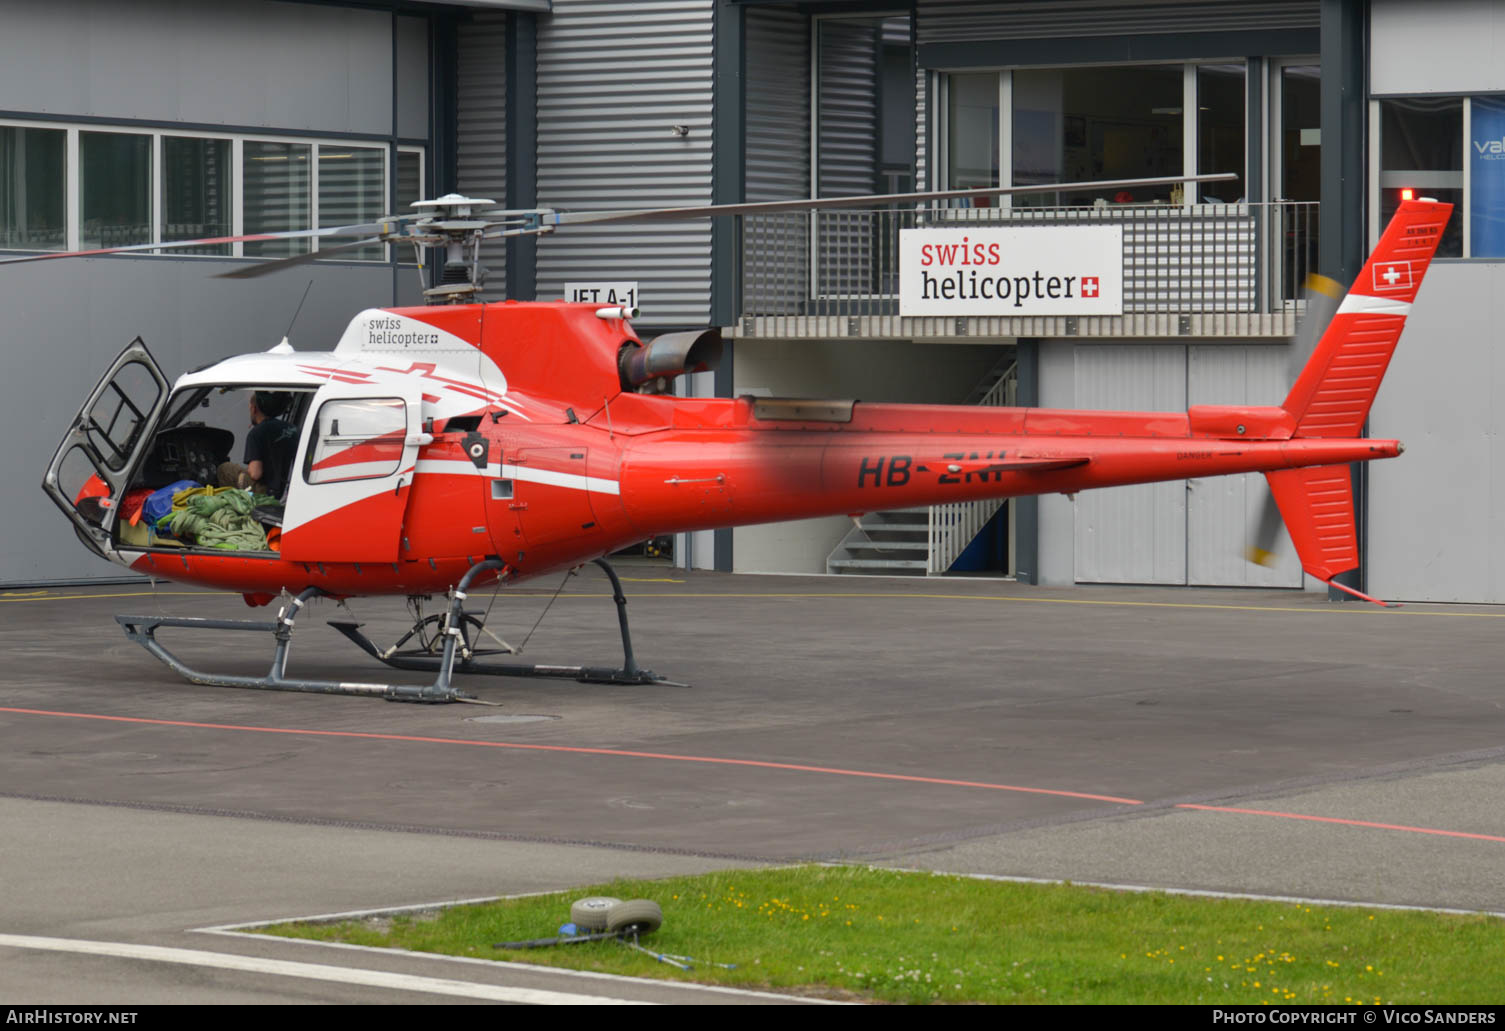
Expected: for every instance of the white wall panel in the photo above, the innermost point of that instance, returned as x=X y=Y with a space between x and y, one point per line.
x=1442 y=46
x=1437 y=513
x=232 y=62
x=1132 y=534
x=413 y=77
x=1223 y=512
x=1056 y=556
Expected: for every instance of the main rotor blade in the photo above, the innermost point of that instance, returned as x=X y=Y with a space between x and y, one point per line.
x=209 y=241
x=1323 y=295
x=870 y=200
x=262 y=268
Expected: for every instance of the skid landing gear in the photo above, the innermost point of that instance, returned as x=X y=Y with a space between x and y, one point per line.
x=455 y=642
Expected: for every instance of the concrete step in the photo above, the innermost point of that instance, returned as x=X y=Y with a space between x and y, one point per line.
x=876 y=563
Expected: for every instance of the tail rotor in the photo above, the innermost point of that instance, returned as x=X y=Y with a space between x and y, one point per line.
x=1323 y=295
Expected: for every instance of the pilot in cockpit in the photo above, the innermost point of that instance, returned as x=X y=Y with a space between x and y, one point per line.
x=271 y=447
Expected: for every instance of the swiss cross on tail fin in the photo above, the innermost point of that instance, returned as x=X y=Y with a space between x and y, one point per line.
x=1335 y=390
x=1332 y=396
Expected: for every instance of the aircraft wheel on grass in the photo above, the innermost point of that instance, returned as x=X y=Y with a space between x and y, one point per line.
x=591 y=913
x=635 y=916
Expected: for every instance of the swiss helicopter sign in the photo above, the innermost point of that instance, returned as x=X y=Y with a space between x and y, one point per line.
x=1011 y=270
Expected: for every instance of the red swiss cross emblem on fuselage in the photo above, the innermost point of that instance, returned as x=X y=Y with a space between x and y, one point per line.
x=1089 y=286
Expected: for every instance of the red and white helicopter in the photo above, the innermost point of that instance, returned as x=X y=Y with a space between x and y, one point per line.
x=462 y=445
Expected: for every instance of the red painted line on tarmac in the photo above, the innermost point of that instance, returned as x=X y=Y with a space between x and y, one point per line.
x=1350 y=823
x=759 y=763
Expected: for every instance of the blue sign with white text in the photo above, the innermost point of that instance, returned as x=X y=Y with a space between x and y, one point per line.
x=1487 y=178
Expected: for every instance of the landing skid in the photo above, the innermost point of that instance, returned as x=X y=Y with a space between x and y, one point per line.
x=457 y=640
x=457 y=654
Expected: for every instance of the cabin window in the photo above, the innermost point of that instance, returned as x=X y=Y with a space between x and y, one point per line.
x=358 y=439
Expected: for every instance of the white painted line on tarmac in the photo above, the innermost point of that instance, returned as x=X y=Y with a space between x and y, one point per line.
x=1195 y=892
x=230 y=931
x=311 y=971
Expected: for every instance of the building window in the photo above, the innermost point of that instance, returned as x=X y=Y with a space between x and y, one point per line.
x=410 y=180
x=352 y=191
x=1486 y=184
x=33 y=188
x=140 y=187
x=1081 y=124
x=1421 y=148
x=115 y=189
x=972 y=131
x=277 y=195
x=196 y=191
x=1451 y=149
x=1221 y=133
x=1098 y=123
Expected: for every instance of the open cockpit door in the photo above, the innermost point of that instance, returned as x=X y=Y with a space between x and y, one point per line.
x=93 y=464
x=349 y=486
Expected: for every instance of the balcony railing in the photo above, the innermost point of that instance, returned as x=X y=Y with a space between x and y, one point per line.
x=1198 y=270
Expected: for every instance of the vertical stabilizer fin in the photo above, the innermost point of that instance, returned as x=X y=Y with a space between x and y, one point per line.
x=1335 y=390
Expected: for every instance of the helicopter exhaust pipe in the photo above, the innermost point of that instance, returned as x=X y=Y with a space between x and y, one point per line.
x=669 y=355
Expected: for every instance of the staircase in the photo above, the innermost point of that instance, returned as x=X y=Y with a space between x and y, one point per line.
x=885 y=544
x=924 y=541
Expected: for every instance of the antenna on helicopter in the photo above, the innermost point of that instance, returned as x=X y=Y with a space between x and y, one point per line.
x=296 y=312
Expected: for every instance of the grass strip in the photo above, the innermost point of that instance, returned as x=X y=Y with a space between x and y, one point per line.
x=878 y=935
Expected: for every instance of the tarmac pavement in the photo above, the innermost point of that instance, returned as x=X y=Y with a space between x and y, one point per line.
x=1266 y=742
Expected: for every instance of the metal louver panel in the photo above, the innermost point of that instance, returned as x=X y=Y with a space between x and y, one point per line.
x=778 y=151
x=848 y=109
x=921 y=129
x=1131 y=534
x=947 y=21
x=613 y=79
x=778 y=104
x=482 y=129
x=846 y=153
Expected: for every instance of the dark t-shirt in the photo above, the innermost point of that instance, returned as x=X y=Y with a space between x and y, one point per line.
x=273 y=443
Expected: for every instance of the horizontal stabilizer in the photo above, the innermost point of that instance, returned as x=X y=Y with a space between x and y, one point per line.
x=1030 y=463
x=1317 y=505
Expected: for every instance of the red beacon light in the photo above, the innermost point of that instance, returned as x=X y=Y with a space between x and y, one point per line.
x=1406 y=193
